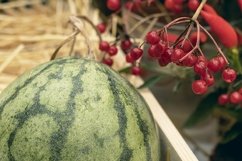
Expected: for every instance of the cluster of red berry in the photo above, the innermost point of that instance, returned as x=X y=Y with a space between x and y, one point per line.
x=111 y=50
x=165 y=54
x=204 y=68
x=233 y=98
x=177 y=6
x=159 y=48
x=184 y=50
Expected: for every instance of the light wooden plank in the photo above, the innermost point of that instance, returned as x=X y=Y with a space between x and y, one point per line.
x=167 y=127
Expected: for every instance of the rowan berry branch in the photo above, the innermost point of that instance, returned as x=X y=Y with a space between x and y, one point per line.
x=196 y=14
x=215 y=43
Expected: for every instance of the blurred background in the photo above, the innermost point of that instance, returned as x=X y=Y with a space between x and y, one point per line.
x=30 y=31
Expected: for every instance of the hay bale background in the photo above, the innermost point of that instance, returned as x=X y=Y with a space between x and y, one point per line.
x=30 y=31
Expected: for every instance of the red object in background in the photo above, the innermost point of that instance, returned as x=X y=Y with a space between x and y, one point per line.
x=199 y=87
x=113 y=5
x=126 y=44
x=170 y=37
x=193 y=37
x=108 y=61
x=209 y=9
x=193 y=4
x=169 y=4
x=229 y=75
x=113 y=50
x=172 y=6
x=240 y=4
x=235 y=97
x=150 y=1
x=239 y=38
x=136 y=70
x=223 y=99
x=129 y=58
x=101 y=27
x=222 y=29
x=178 y=1
x=104 y=46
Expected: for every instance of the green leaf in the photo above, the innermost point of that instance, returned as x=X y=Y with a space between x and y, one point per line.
x=177 y=86
x=151 y=81
x=203 y=110
x=235 y=131
x=125 y=70
x=234 y=111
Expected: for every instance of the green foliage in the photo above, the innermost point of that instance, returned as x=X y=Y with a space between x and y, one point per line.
x=151 y=81
x=235 y=131
x=203 y=110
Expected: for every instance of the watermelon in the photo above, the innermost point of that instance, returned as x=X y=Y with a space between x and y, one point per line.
x=72 y=109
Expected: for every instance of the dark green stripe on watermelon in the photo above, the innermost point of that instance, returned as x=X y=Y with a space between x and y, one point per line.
x=141 y=123
x=126 y=154
x=58 y=138
x=145 y=131
x=27 y=82
x=35 y=109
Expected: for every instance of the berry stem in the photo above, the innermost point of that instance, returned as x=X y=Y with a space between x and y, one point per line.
x=145 y=20
x=187 y=33
x=196 y=14
x=214 y=42
x=92 y=24
x=180 y=36
x=76 y=23
x=179 y=20
x=53 y=56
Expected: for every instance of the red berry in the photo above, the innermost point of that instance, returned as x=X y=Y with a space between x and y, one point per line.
x=169 y=4
x=104 y=46
x=137 y=3
x=126 y=44
x=136 y=70
x=129 y=58
x=221 y=61
x=190 y=60
x=240 y=91
x=165 y=57
x=155 y=51
x=173 y=6
x=208 y=78
x=229 y=75
x=202 y=58
x=177 y=55
x=223 y=99
x=113 y=50
x=113 y=5
x=136 y=53
x=152 y=37
x=235 y=97
x=108 y=61
x=193 y=4
x=199 y=87
x=177 y=8
x=163 y=61
x=186 y=46
x=178 y=1
x=214 y=65
x=130 y=6
x=200 y=67
x=101 y=27
x=167 y=53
